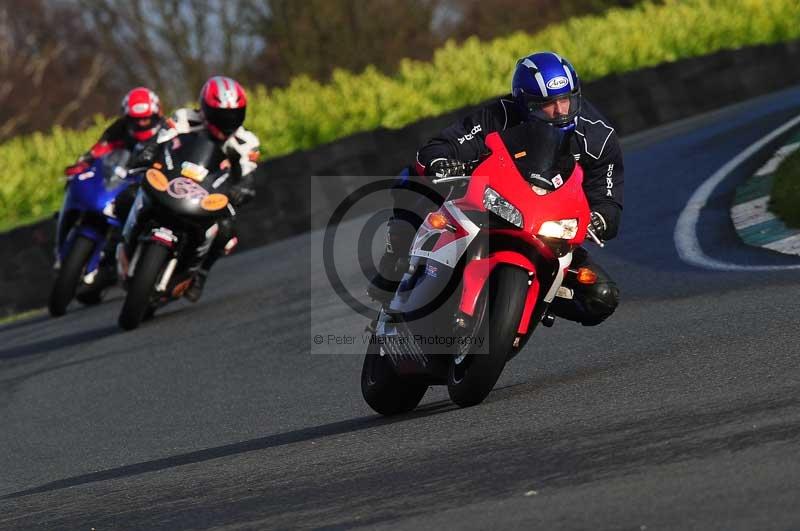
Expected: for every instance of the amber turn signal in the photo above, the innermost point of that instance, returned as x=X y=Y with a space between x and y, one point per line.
x=586 y=276
x=157 y=180
x=214 y=202
x=437 y=220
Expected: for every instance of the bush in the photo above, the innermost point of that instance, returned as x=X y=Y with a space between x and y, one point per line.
x=785 y=198
x=308 y=113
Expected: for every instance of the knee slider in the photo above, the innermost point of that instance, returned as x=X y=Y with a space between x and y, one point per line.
x=601 y=300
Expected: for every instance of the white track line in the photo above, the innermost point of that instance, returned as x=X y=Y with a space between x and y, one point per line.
x=686 y=240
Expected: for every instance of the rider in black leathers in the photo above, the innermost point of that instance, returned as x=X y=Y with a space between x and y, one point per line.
x=545 y=87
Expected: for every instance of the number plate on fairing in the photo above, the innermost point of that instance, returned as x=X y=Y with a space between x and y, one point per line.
x=193 y=171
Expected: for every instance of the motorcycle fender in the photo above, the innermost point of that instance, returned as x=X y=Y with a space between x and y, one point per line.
x=162 y=236
x=477 y=272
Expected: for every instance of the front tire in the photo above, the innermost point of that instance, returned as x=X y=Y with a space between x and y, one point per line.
x=470 y=381
x=70 y=275
x=140 y=289
x=385 y=391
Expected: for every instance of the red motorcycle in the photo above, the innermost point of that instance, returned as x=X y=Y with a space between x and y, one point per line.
x=483 y=270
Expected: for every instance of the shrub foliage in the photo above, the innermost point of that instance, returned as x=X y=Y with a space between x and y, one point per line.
x=308 y=113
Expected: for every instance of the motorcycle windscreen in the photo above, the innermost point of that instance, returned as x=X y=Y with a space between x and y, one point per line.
x=540 y=153
x=195 y=151
x=194 y=169
x=87 y=191
x=114 y=170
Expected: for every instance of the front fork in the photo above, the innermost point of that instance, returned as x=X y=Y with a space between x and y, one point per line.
x=157 y=236
x=164 y=237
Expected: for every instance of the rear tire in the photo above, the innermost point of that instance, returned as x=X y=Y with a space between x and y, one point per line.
x=70 y=275
x=140 y=289
x=385 y=391
x=471 y=381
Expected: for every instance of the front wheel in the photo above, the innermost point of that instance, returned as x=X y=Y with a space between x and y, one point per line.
x=473 y=373
x=70 y=275
x=385 y=391
x=140 y=289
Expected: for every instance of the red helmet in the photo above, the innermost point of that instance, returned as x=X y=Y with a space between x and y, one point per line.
x=142 y=110
x=223 y=103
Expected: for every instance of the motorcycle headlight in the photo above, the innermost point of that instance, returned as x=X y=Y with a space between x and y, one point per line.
x=497 y=205
x=565 y=229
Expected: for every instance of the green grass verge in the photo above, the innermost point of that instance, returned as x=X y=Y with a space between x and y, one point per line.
x=19 y=316
x=309 y=113
x=785 y=198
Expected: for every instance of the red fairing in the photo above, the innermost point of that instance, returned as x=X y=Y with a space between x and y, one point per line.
x=477 y=272
x=75 y=169
x=446 y=237
x=500 y=173
x=567 y=202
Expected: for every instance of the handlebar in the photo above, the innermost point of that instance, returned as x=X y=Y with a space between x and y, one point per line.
x=594 y=238
x=449 y=179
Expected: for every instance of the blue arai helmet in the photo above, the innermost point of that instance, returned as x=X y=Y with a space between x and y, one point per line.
x=542 y=78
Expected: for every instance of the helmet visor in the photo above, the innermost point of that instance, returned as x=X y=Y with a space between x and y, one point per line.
x=226 y=120
x=557 y=111
x=142 y=124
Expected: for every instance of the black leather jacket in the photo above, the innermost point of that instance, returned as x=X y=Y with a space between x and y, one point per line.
x=594 y=144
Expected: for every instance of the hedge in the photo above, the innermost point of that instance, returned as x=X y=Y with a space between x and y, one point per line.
x=308 y=113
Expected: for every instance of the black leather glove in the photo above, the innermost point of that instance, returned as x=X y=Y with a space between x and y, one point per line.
x=146 y=156
x=446 y=168
x=597 y=224
x=241 y=194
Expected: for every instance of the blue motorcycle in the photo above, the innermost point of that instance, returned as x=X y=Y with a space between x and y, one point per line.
x=87 y=220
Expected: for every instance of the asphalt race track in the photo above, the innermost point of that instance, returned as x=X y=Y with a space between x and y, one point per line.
x=681 y=412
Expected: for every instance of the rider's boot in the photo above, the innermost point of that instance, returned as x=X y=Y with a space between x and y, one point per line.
x=195 y=291
x=223 y=245
x=383 y=285
x=394 y=262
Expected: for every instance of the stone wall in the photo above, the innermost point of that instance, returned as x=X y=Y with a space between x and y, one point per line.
x=633 y=102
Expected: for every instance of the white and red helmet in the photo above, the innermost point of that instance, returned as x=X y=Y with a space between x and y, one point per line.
x=224 y=103
x=142 y=110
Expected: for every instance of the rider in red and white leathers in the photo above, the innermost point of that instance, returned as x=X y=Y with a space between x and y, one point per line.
x=223 y=103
